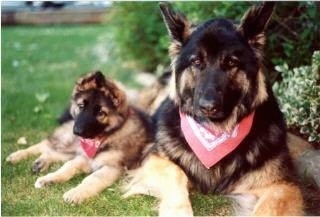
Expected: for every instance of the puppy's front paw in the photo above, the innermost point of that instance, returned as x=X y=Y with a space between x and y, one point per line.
x=43 y=181
x=74 y=195
x=40 y=165
x=15 y=157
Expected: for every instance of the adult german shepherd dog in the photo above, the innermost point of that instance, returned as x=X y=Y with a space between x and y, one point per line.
x=218 y=94
x=106 y=137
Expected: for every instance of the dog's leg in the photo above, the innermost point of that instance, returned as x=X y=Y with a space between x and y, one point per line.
x=161 y=178
x=48 y=158
x=93 y=184
x=278 y=199
x=67 y=171
x=22 y=154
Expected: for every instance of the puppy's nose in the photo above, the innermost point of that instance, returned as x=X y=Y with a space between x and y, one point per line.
x=78 y=130
x=208 y=106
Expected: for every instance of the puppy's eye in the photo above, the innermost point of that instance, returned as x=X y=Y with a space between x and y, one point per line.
x=102 y=113
x=80 y=105
x=232 y=62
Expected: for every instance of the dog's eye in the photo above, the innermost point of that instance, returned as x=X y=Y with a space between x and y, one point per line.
x=232 y=62
x=80 y=105
x=102 y=113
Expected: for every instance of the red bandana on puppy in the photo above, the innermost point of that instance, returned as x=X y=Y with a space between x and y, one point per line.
x=90 y=146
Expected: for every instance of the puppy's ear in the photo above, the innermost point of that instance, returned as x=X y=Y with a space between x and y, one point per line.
x=117 y=95
x=99 y=79
x=177 y=25
x=254 y=22
x=89 y=81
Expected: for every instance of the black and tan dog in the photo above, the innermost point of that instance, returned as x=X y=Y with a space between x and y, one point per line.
x=220 y=130
x=106 y=136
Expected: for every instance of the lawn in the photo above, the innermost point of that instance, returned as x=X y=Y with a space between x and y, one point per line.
x=39 y=66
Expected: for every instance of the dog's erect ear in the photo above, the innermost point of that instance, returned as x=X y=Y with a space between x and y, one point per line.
x=92 y=80
x=177 y=24
x=99 y=79
x=254 y=22
x=117 y=95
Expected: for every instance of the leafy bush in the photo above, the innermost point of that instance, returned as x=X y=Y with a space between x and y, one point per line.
x=141 y=36
x=294 y=27
x=139 y=33
x=299 y=97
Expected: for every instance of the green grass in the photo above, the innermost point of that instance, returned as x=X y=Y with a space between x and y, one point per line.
x=47 y=60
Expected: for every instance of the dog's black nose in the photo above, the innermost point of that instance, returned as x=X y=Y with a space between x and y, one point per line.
x=78 y=130
x=84 y=132
x=208 y=106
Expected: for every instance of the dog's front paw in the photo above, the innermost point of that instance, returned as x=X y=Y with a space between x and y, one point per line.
x=74 y=195
x=40 y=165
x=15 y=157
x=43 y=181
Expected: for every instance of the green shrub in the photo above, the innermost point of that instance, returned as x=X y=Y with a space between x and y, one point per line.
x=299 y=97
x=141 y=36
x=294 y=27
x=139 y=33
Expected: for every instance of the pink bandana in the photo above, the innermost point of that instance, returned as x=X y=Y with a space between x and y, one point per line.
x=209 y=145
x=90 y=146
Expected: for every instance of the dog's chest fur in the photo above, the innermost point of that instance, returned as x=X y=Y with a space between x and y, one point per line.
x=255 y=151
x=123 y=147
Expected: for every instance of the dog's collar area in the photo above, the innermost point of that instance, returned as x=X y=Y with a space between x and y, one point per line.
x=90 y=146
x=93 y=146
x=211 y=146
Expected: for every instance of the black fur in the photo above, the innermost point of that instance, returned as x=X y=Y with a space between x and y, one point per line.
x=268 y=137
x=86 y=124
x=213 y=55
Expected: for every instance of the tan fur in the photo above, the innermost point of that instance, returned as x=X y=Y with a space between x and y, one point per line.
x=229 y=124
x=278 y=199
x=262 y=94
x=66 y=172
x=163 y=179
x=258 y=40
x=50 y=150
x=93 y=184
x=151 y=97
x=107 y=169
x=187 y=80
x=172 y=82
x=120 y=150
x=172 y=87
x=275 y=197
x=267 y=175
x=242 y=80
x=124 y=147
x=22 y=154
x=111 y=89
x=264 y=185
x=174 y=48
x=83 y=84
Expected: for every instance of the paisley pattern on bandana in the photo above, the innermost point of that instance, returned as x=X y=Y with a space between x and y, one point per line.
x=210 y=146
